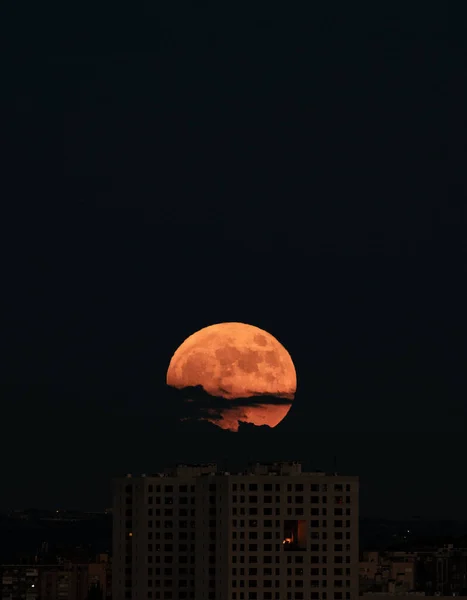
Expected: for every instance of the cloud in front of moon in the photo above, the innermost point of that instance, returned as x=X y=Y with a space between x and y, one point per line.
x=235 y=362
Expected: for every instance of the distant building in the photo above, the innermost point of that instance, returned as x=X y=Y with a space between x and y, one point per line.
x=437 y=572
x=387 y=573
x=56 y=582
x=271 y=532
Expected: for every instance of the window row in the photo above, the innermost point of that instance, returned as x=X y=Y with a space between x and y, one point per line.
x=268 y=511
x=169 y=489
x=297 y=571
x=268 y=559
x=295 y=583
x=290 y=596
x=181 y=583
x=171 y=500
x=277 y=547
x=169 y=571
x=171 y=547
x=169 y=512
x=168 y=559
x=170 y=524
x=181 y=535
x=266 y=523
x=166 y=595
x=290 y=499
x=297 y=487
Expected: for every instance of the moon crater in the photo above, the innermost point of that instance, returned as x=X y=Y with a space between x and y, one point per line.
x=237 y=362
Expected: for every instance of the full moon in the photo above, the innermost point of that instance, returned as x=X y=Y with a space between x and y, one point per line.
x=235 y=361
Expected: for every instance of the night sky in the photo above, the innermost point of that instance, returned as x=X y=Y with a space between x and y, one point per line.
x=180 y=164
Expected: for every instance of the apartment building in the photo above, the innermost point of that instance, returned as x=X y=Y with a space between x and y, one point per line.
x=271 y=532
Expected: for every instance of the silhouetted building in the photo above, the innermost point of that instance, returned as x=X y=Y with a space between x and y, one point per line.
x=57 y=582
x=272 y=532
x=387 y=573
x=440 y=572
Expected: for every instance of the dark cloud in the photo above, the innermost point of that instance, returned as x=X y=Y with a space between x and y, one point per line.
x=194 y=403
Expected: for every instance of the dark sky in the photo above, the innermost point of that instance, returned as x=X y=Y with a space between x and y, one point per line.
x=180 y=164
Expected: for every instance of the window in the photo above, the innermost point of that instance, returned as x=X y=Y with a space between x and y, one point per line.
x=299 y=487
x=267 y=487
x=314 y=499
x=253 y=499
x=267 y=499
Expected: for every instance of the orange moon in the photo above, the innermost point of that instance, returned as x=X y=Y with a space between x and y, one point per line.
x=237 y=361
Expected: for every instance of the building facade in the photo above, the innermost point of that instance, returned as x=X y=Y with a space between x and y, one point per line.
x=271 y=532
